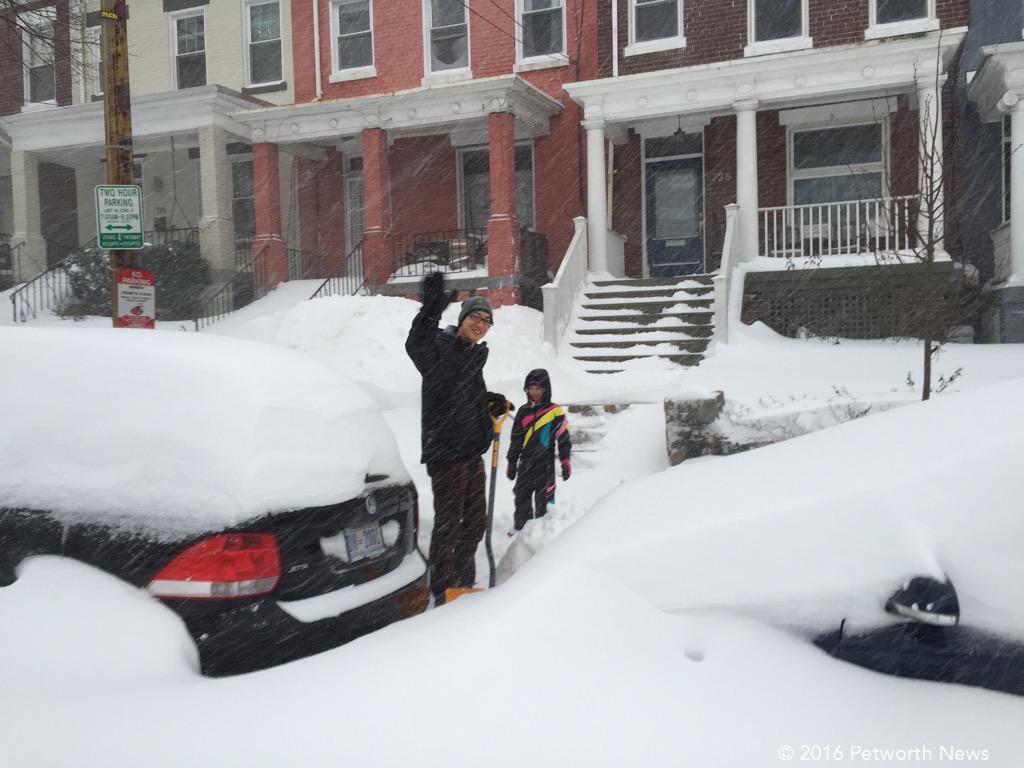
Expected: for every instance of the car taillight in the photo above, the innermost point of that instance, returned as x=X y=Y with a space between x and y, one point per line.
x=225 y=566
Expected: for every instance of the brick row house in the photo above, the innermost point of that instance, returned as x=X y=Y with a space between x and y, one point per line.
x=397 y=137
x=193 y=64
x=432 y=135
x=799 y=111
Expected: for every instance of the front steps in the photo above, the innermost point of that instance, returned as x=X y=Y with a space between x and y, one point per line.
x=623 y=320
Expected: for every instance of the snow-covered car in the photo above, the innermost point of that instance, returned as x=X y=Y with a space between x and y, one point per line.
x=253 y=491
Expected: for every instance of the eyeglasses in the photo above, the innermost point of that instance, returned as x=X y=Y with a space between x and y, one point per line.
x=480 y=317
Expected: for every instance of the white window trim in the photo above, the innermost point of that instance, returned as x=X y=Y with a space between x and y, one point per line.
x=445 y=75
x=875 y=31
x=826 y=171
x=757 y=47
x=653 y=46
x=173 y=19
x=247 y=41
x=95 y=44
x=352 y=73
x=545 y=60
x=28 y=19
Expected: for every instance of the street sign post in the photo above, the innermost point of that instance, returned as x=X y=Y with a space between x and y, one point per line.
x=119 y=216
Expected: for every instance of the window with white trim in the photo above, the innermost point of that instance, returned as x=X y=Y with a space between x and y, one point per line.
x=448 y=26
x=892 y=11
x=355 y=203
x=542 y=28
x=1007 y=150
x=777 y=25
x=829 y=165
x=37 y=52
x=94 y=42
x=243 y=198
x=655 y=20
x=352 y=22
x=188 y=41
x=900 y=17
x=475 y=186
x=263 y=42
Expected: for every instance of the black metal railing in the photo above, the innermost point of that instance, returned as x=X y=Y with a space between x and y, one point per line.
x=306 y=265
x=452 y=250
x=168 y=236
x=348 y=284
x=44 y=293
x=245 y=286
x=8 y=266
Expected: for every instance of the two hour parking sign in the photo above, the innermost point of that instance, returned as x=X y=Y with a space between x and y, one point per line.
x=119 y=216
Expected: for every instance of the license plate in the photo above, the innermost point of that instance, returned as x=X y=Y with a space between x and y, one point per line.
x=364 y=541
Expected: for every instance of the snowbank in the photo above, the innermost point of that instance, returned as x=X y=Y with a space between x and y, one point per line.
x=824 y=527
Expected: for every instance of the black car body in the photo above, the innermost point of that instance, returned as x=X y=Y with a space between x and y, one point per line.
x=266 y=616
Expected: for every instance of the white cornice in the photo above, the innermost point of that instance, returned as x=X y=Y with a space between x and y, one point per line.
x=417 y=108
x=1001 y=74
x=156 y=114
x=861 y=70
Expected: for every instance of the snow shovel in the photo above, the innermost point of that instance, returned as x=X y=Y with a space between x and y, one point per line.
x=497 y=422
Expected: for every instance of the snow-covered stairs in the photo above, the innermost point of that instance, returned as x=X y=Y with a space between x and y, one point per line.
x=628 y=319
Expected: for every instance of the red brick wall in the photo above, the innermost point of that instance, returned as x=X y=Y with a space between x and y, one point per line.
x=423 y=185
x=719 y=183
x=627 y=205
x=716 y=30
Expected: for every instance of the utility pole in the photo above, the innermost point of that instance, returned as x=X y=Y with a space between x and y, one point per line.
x=117 y=118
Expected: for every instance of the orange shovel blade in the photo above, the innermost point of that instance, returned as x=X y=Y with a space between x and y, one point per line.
x=453 y=592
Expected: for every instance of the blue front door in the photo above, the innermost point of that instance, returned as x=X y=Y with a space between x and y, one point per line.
x=675 y=217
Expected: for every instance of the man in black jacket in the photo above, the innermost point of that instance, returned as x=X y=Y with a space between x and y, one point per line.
x=456 y=428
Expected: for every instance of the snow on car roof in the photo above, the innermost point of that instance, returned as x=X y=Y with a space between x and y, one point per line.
x=178 y=433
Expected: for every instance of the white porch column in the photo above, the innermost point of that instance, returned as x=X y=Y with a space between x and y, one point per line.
x=597 y=202
x=746 y=177
x=31 y=258
x=216 y=225
x=930 y=166
x=1013 y=104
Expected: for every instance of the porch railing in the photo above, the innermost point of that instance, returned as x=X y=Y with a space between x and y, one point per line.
x=560 y=294
x=245 y=286
x=348 y=284
x=303 y=265
x=8 y=264
x=885 y=225
x=452 y=250
x=44 y=293
x=167 y=236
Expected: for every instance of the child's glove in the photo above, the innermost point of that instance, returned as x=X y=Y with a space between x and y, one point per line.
x=511 y=471
x=566 y=469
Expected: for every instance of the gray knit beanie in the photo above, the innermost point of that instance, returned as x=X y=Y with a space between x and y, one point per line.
x=475 y=304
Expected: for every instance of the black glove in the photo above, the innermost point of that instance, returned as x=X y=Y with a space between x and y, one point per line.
x=511 y=472
x=497 y=404
x=566 y=469
x=434 y=296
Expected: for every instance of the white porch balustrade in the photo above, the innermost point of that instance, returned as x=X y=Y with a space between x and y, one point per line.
x=882 y=226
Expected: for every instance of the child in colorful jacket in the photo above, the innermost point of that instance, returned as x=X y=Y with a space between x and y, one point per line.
x=531 y=458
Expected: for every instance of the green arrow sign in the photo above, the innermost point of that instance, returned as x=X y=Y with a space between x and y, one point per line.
x=119 y=216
